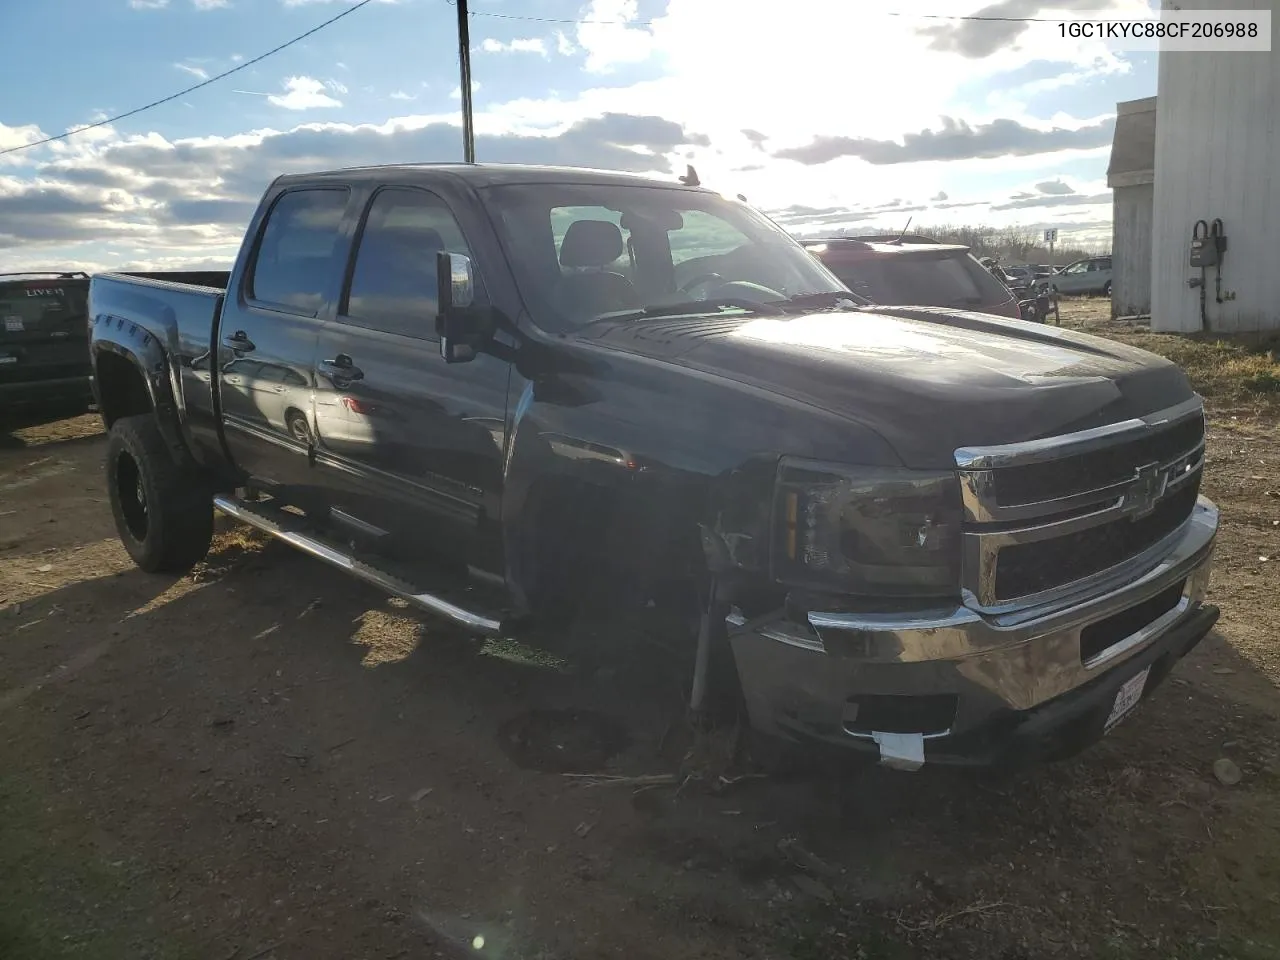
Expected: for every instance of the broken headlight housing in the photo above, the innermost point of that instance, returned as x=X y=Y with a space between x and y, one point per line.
x=867 y=531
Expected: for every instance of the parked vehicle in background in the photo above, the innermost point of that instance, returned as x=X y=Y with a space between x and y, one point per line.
x=893 y=238
x=1022 y=276
x=915 y=274
x=44 y=336
x=1088 y=277
x=1036 y=303
x=917 y=532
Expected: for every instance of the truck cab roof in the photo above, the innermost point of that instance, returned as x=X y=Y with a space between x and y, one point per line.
x=488 y=175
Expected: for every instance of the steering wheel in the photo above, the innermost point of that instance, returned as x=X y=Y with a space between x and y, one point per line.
x=699 y=280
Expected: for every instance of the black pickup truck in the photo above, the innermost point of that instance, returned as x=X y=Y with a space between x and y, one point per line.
x=44 y=324
x=504 y=393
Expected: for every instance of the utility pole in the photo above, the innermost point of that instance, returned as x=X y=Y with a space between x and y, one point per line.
x=464 y=68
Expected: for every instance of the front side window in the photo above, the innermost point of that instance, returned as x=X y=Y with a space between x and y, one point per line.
x=295 y=257
x=581 y=251
x=394 y=282
x=1080 y=267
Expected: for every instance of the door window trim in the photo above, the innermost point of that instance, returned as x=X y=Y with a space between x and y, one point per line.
x=340 y=314
x=246 y=282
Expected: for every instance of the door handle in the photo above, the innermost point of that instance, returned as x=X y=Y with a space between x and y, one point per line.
x=239 y=342
x=343 y=368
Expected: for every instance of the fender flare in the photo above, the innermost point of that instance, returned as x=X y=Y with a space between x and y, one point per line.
x=145 y=353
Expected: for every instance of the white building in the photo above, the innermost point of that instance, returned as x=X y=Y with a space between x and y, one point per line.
x=1131 y=176
x=1218 y=157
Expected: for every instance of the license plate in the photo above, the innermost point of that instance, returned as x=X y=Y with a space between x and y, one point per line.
x=13 y=325
x=1128 y=698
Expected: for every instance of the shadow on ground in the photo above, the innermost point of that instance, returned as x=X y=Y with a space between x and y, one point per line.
x=269 y=750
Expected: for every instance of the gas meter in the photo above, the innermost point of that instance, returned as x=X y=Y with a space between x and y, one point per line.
x=1207 y=244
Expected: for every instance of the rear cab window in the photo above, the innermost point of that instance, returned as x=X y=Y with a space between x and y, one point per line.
x=899 y=279
x=294 y=261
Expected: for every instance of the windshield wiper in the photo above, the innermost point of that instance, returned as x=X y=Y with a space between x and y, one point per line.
x=692 y=307
x=829 y=298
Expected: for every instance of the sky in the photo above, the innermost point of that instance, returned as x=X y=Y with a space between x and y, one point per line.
x=828 y=114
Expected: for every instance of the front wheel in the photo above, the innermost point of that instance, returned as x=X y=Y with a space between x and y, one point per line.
x=1106 y=289
x=163 y=512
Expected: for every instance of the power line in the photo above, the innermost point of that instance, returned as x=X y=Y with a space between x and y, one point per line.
x=979 y=18
x=182 y=93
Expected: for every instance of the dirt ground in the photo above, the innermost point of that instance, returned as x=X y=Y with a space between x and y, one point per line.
x=268 y=760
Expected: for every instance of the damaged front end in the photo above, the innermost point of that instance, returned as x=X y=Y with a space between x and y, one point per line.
x=1012 y=610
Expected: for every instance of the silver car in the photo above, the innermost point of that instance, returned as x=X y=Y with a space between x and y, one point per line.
x=1090 y=277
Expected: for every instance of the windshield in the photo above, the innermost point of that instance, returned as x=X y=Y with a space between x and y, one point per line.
x=580 y=251
x=951 y=281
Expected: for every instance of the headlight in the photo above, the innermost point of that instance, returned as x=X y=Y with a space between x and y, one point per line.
x=871 y=531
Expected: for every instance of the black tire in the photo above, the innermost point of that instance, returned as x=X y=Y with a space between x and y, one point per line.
x=1106 y=289
x=163 y=512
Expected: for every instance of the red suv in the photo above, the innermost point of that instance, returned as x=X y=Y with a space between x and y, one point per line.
x=897 y=273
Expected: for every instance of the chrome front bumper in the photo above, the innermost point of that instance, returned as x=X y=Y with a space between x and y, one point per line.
x=803 y=680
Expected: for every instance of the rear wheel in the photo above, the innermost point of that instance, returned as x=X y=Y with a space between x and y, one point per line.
x=163 y=512
x=1106 y=289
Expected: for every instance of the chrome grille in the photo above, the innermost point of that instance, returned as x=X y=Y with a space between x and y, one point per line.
x=1048 y=517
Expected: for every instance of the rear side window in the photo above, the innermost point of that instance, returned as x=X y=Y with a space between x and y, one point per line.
x=295 y=256
x=394 y=283
x=922 y=281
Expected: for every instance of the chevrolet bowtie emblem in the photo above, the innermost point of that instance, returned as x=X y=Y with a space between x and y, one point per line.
x=1145 y=490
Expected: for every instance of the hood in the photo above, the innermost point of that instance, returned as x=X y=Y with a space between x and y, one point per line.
x=928 y=380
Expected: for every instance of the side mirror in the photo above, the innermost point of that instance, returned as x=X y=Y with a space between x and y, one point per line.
x=457 y=325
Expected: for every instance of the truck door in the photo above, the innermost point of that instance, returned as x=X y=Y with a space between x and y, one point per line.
x=409 y=449
x=267 y=337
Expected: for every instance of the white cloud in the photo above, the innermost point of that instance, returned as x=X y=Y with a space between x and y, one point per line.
x=519 y=45
x=815 y=84
x=610 y=42
x=303 y=93
x=17 y=137
x=237 y=57
x=210 y=4
x=307 y=3
x=822 y=100
x=456 y=92
x=148 y=4
x=200 y=73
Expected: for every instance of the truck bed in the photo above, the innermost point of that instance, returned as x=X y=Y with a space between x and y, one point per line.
x=179 y=309
x=215 y=279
